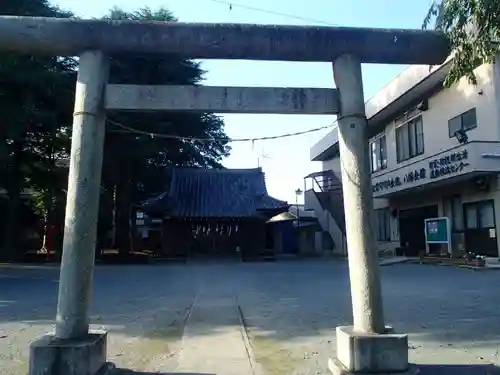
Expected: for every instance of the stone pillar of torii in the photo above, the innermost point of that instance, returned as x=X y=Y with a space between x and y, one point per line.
x=368 y=346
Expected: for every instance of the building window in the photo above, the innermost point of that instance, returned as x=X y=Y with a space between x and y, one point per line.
x=479 y=215
x=410 y=139
x=383 y=224
x=378 y=154
x=465 y=121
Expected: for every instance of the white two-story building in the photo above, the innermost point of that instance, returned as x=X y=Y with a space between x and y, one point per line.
x=435 y=152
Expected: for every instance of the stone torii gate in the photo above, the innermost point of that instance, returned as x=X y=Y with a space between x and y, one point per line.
x=366 y=347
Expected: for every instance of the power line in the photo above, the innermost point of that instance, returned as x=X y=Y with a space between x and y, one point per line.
x=268 y=11
x=223 y=140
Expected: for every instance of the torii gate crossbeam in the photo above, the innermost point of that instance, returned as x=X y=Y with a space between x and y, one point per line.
x=366 y=347
x=70 y=37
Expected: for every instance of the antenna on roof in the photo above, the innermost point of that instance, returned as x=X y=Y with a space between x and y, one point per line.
x=263 y=155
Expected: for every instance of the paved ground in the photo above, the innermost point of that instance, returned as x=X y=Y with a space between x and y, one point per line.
x=290 y=309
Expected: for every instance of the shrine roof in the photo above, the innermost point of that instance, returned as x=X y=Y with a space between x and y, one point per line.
x=215 y=193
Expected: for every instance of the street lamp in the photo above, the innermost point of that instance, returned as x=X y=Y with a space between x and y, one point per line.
x=298 y=193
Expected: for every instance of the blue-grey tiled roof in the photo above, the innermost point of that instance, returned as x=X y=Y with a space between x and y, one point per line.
x=205 y=193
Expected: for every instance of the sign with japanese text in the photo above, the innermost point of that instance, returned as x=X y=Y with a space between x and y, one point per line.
x=448 y=164
x=437 y=230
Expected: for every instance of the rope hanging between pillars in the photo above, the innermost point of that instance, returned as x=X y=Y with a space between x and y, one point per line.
x=82 y=113
x=353 y=116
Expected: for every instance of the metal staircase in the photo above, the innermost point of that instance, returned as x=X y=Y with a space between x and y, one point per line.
x=328 y=196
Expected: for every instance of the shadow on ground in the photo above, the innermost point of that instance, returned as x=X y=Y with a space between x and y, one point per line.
x=287 y=307
x=423 y=370
x=289 y=299
x=458 y=370
x=121 y=371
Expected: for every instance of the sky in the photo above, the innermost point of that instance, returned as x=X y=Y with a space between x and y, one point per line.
x=285 y=161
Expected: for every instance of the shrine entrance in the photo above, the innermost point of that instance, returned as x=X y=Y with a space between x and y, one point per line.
x=218 y=239
x=82 y=352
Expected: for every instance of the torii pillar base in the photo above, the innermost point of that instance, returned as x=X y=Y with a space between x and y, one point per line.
x=84 y=356
x=367 y=353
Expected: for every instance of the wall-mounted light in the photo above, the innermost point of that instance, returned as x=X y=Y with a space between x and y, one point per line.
x=461 y=136
x=423 y=105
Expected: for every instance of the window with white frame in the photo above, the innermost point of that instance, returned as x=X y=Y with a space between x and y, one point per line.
x=378 y=153
x=465 y=122
x=383 y=224
x=410 y=139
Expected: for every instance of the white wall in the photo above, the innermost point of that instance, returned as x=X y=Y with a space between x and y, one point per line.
x=415 y=75
x=332 y=165
x=443 y=106
x=447 y=104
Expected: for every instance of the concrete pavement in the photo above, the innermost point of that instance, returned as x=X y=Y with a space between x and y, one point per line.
x=221 y=351
x=291 y=310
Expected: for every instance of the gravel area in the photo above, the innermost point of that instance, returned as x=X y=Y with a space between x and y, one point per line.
x=291 y=310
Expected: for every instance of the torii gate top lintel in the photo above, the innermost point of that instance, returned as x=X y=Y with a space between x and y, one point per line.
x=64 y=37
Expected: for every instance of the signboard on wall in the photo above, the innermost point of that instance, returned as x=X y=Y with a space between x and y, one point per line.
x=446 y=165
x=438 y=231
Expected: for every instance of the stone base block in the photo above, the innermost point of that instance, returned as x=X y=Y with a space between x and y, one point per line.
x=86 y=356
x=364 y=353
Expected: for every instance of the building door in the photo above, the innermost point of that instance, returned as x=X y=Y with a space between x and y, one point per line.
x=155 y=240
x=411 y=228
x=480 y=228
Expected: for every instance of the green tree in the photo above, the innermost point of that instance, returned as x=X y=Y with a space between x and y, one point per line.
x=135 y=162
x=473 y=29
x=30 y=110
x=36 y=97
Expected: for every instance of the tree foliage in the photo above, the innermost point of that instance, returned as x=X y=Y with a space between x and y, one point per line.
x=34 y=114
x=473 y=29
x=154 y=69
x=137 y=156
x=36 y=99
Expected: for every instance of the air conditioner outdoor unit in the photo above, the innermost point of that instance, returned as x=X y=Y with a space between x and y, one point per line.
x=458 y=244
x=482 y=183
